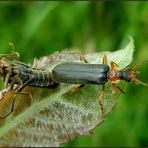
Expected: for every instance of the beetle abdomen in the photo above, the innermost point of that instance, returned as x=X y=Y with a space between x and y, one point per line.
x=80 y=73
x=32 y=77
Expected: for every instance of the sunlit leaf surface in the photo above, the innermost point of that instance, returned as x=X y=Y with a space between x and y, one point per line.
x=58 y=115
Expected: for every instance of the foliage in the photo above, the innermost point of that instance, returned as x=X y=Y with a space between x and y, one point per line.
x=60 y=114
x=39 y=28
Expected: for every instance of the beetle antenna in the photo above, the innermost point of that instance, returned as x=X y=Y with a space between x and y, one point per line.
x=140 y=82
x=139 y=64
x=11 y=45
x=12 y=54
x=134 y=69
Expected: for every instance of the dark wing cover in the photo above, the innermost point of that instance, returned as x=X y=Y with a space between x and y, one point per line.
x=80 y=73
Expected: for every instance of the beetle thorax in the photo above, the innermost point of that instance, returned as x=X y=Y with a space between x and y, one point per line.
x=113 y=76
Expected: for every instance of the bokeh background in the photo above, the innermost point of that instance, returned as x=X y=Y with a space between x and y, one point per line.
x=40 y=28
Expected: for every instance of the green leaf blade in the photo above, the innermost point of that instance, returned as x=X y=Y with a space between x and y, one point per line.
x=59 y=115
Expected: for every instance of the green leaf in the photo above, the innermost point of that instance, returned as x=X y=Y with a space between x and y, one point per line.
x=40 y=9
x=58 y=115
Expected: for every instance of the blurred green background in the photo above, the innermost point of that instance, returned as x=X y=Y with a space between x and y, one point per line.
x=39 y=28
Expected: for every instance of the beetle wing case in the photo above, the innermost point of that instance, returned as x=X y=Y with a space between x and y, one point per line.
x=78 y=73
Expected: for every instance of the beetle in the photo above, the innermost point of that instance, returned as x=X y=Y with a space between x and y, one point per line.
x=99 y=74
x=16 y=72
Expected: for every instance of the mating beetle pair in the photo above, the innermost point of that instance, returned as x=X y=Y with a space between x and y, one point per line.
x=15 y=72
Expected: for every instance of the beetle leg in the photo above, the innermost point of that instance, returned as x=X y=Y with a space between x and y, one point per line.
x=16 y=79
x=10 y=55
x=120 y=89
x=75 y=89
x=19 y=81
x=20 y=87
x=13 y=54
x=114 y=66
x=82 y=58
x=104 y=60
x=9 y=71
x=100 y=98
x=24 y=84
x=6 y=80
x=114 y=88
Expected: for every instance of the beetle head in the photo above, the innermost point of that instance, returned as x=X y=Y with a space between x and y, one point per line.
x=134 y=74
